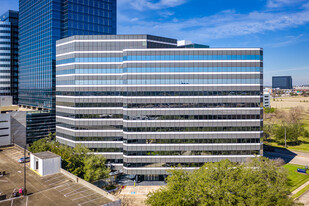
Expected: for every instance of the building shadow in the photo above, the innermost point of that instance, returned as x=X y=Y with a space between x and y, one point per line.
x=277 y=152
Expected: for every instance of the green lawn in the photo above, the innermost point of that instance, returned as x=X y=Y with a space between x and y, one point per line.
x=305 y=122
x=295 y=179
x=302 y=147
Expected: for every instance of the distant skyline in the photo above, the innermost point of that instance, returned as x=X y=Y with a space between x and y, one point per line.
x=280 y=27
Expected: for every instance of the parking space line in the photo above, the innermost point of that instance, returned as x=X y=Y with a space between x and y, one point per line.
x=59 y=186
x=69 y=187
x=84 y=196
x=62 y=185
x=76 y=193
x=90 y=201
x=52 y=178
x=73 y=191
x=57 y=182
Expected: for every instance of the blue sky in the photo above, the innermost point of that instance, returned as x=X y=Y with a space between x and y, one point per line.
x=281 y=27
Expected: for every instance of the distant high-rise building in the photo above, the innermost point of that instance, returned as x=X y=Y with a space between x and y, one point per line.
x=42 y=23
x=148 y=105
x=282 y=82
x=9 y=55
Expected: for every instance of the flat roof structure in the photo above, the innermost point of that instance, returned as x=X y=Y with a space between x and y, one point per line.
x=45 y=155
x=52 y=190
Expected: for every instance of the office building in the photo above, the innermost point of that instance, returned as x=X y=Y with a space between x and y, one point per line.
x=102 y=105
x=266 y=99
x=148 y=105
x=9 y=54
x=12 y=123
x=41 y=24
x=282 y=82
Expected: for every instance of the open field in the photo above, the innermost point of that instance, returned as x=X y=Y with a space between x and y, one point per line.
x=288 y=102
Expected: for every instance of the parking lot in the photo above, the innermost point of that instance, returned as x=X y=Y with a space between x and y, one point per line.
x=51 y=190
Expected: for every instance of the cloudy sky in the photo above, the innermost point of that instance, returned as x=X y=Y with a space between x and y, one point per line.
x=281 y=27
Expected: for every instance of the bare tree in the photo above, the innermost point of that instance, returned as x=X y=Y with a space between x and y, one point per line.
x=279 y=162
x=295 y=114
x=125 y=201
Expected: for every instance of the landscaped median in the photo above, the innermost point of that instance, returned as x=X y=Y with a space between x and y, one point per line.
x=296 y=180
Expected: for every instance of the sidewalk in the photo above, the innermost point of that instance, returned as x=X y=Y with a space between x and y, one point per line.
x=136 y=195
x=300 y=188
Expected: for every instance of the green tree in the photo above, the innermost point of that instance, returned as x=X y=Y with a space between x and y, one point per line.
x=41 y=145
x=257 y=182
x=293 y=132
x=268 y=110
x=268 y=130
x=95 y=168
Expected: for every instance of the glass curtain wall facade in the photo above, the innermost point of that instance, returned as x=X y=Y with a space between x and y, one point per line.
x=282 y=82
x=9 y=54
x=168 y=106
x=42 y=23
x=5 y=58
x=185 y=107
x=89 y=90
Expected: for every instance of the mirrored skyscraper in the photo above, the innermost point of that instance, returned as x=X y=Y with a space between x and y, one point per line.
x=9 y=54
x=42 y=23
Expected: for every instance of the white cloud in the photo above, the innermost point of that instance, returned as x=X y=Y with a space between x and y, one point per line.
x=221 y=25
x=142 y=5
x=289 y=40
x=306 y=68
x=134 y=19
x=282 y=3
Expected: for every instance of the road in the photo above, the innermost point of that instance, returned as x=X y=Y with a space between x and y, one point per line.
x=293 y=157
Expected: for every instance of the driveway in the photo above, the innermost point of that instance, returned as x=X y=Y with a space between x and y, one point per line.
x=293 y=157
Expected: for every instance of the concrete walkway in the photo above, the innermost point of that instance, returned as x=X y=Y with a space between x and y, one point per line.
x=136 y=195
x=300 y=188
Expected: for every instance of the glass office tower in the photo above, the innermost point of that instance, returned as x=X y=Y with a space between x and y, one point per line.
x=148 y=105
x=42 y=23
x=282 y=82
x=9 y=54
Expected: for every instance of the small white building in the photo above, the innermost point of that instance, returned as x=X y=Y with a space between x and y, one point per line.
x=266 y=99
x=45 y=163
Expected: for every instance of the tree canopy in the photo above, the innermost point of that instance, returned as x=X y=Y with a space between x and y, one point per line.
x=78 y=160
x=256 y=182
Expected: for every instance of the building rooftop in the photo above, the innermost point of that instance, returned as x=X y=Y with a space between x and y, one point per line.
x=45 y=155
x=8 y=108
x=52 y=190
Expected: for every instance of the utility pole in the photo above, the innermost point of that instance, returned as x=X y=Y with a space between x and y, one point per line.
x=285 y=135
x=25 y=169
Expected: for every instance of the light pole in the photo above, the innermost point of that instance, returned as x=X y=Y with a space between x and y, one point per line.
x=25 y=169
